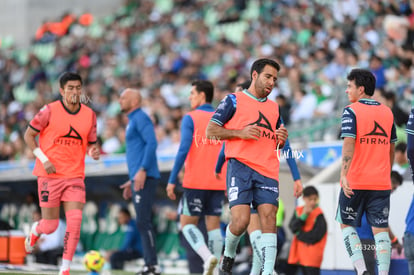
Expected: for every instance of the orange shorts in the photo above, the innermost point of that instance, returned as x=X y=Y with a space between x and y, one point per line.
x=52 y=191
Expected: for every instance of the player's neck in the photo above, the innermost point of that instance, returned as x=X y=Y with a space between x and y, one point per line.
x=72 y=107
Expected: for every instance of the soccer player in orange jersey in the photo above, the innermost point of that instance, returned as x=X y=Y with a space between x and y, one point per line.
x=203 y=193
x=369 y=136
x=67 y=131
x=251 y=125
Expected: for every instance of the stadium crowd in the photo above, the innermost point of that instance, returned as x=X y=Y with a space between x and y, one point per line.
x=161 y=46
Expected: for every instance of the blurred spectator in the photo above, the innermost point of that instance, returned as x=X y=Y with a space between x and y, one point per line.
x=284 y=106
x=378 y=69
x=130 y=248
x=304 y=105
x=401 y=163
x=136 y=47
x=400 y=116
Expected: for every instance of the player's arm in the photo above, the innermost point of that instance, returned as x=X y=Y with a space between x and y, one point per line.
x=187 y=130
x=297 y=222
x=30 y=138
x=348 y=149
x=394 y=241
x=348 y=133
x=38 y=123
x=146 y=130
x=297 y=187
x=392 y=144
x=222 y=115
x=93 y=149
x=316 y=233
x=220 y=161
x=281 y=133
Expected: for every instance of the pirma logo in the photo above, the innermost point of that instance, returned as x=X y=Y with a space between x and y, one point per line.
x=70 y=139
x=376 y=136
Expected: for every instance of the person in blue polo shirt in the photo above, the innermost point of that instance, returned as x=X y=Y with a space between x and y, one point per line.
x=144 y=176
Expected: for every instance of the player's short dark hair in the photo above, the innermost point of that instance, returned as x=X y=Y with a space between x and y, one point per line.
x=206 y=87
x=401 y=147
x=309 y=191
x=259 y=65
x=68 y=76
x=244 y=85
x=363 y=78
x=396 y=177
x=125 y=211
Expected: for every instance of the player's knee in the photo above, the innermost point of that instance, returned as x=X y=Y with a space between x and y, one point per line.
x=239 y=224
x=49 y=226
x=74 y=217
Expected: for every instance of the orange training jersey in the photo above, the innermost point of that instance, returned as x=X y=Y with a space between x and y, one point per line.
x=202 y=157
x=370 y=168
x=261 y=154
x=64 y=137
x=303 y=253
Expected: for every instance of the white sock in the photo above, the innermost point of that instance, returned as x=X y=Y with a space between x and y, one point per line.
x=65 y=265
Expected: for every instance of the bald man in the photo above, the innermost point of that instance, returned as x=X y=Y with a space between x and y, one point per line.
x=144 y=175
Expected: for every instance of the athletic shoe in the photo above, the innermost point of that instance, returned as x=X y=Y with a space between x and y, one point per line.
x=31 y=239
x=209 y=265
x=150 y=270
x=64 y=272
x=226 y=265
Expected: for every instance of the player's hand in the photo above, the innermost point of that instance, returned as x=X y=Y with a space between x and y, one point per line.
x=126 y=190
x=250 y=132
x=139 y=180
x=345 y=187
x=397 y=246
x=297 y=188
x=170 y=191
x=94 y=152
x=217 y=175
x=281 y=135
x=49 y=167
x=307 y=209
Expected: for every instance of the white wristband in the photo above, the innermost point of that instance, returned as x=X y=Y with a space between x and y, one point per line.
x=40 y=155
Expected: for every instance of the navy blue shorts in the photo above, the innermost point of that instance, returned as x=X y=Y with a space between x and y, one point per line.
x=196 y=202
x=376 y=205
x=246 y=186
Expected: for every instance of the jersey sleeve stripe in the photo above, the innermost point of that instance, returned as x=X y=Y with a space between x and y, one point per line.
x=34 y=128
x=348 y=135
x=217 y=122
x=409 y=131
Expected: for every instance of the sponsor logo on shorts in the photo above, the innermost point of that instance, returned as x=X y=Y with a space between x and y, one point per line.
x=137 y=198
x=44 y=185
x=273 y=189
x=233 y=193
x=380 y=221
x=349 y=213
x=44 y=196
x=385 y=211
x=77 y=187
x=196 y=205
x=196 y=209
